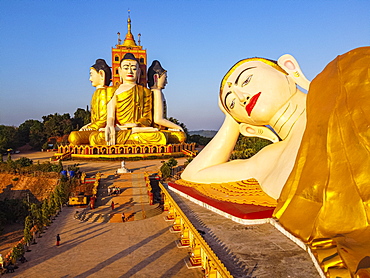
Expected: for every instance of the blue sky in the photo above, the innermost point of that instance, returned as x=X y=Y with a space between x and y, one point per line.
x=47 y=47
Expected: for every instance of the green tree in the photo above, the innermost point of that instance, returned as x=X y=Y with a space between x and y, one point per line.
x=27 y=229
x=11 y=165
x=37 y=135
x=199 y=139
x=57 y=125
x=45 y=212
x=8 y=138
x=172 y=162
x=17 y=252
x=53 y=203
x=31 y=132
x=59 y=194
x=165 y=170
x=166 y=167
x=59 y=168
x=80 y=118
x=36 y=215
x=183 y=126
x=24 y=162
x=188 y=160
x=246 y=147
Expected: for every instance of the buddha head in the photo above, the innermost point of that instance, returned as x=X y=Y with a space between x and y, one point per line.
x=129 y=70
x=100 y=74
x=255 y=89
x=157 y=76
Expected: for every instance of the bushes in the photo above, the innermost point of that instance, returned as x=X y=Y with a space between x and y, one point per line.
x=186 y=163
x=17 y=252
x=27 y=229
x=166 y=168
x=25 y=166
x=40 y=214
x=247 y=147
x=172 y=162
x=24 y=162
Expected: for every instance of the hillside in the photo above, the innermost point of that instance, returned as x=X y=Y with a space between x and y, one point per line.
x=205 y=133
x=20 y=186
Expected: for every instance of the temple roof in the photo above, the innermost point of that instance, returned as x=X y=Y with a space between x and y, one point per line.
x=129 y=39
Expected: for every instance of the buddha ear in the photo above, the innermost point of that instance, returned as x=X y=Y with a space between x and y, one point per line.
x=120 y=73
x=102 y=74
x=291 y=66
x=155 y=77
x=138 y=74
x=258 y=131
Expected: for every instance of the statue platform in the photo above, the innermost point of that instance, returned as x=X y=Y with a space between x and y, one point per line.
x=241 y=213
x=120 y=152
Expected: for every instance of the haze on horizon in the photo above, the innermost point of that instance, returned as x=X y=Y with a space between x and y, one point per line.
x=47 y=47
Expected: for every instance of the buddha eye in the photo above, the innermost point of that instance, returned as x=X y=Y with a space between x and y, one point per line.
x=246 y=82
x=232 y=104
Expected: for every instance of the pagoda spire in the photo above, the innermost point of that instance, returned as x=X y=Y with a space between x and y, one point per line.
x=129 y=39
x=126 y=45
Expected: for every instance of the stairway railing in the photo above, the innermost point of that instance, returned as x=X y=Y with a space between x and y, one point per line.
x=200 y=253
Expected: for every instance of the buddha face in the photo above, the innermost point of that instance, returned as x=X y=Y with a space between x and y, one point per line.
x=129 y=71
x=255 y=92
x=96 y=79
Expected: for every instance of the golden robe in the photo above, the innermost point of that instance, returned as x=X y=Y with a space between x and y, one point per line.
x=98 y=105
x=133 y=106
x=327 y=194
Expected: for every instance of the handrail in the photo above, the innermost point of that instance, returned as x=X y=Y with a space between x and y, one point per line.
x=202 y=254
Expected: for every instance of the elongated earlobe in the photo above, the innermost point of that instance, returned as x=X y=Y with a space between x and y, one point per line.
x=291 y=66
x=155 y=77
x=258 y=131
x=102 y=76
x=138 y=75
x=120 y=73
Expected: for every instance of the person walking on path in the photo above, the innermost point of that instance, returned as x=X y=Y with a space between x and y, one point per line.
x=112 y=205
x=58 y=240
x=123 y=217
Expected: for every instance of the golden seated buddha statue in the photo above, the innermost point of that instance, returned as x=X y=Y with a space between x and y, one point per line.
x=129 y=112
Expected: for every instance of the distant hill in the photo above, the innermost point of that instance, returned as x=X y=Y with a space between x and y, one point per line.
x=205 y=133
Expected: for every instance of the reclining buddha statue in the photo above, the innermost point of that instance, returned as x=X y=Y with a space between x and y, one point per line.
x=318 y=165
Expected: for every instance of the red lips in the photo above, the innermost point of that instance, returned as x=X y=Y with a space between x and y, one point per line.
x=252 y=103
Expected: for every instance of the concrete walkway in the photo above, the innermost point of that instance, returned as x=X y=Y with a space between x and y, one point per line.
x=146 y=248
x=133 y=249
x=142 y=248
x=133 y=200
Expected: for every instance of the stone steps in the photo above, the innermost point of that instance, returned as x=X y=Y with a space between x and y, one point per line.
x=96 y=217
